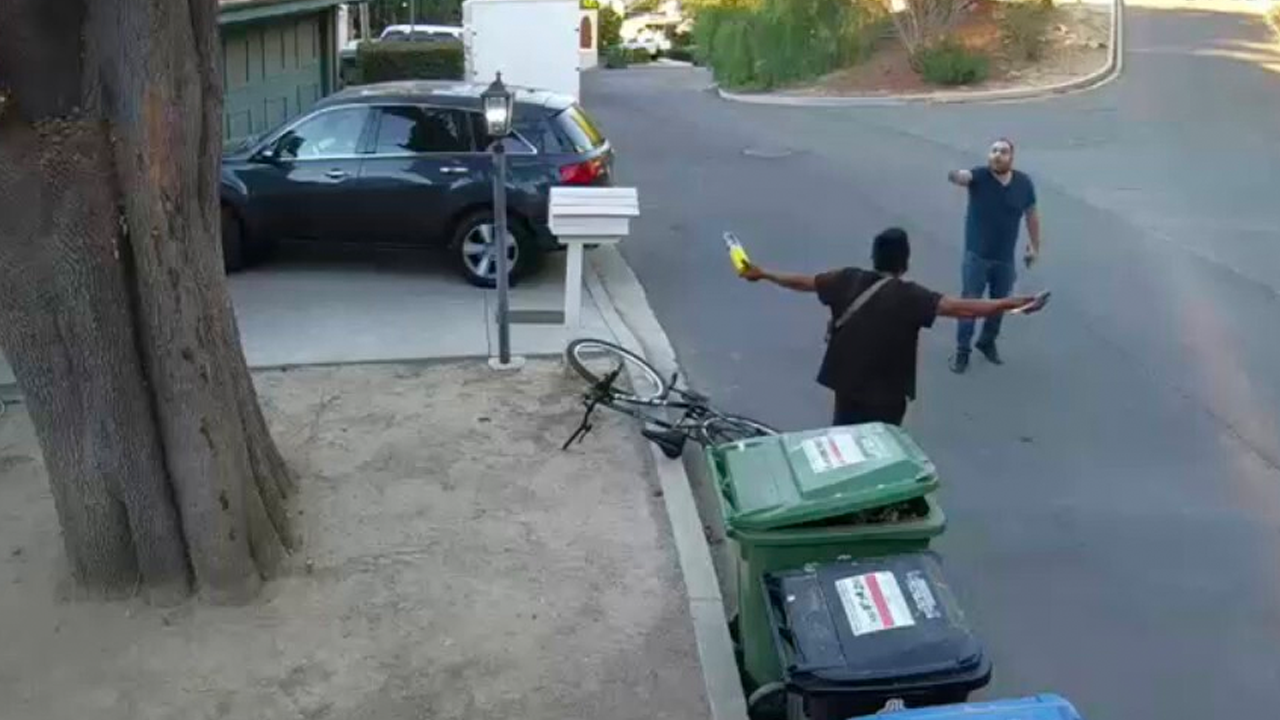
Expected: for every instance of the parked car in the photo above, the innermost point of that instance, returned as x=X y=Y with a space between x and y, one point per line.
x=421 y=33
x=407 y=164
x=654 y=42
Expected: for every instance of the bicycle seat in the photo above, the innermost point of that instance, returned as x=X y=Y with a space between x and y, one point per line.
x=670 y=442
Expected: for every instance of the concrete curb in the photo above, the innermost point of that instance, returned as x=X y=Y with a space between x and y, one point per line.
x=1104 y=75
x=626 y=311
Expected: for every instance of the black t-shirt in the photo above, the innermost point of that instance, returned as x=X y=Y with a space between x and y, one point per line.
x=873 y=356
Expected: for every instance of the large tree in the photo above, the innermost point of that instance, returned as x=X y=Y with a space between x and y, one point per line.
x=114 y=310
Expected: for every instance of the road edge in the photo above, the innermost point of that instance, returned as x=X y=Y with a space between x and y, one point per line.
x=626 y=310
x=1104 y=75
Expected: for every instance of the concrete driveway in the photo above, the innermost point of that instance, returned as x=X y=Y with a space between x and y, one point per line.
x=1114 y=491
x=335 y=306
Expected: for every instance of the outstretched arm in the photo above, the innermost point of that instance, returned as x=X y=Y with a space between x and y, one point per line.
x=960 y=177
x=790 y=281
x=967 y=309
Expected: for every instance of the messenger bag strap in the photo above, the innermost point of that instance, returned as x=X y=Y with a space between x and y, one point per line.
x=858 y=302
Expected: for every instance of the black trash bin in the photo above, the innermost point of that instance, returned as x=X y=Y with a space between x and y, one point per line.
x=853 y=636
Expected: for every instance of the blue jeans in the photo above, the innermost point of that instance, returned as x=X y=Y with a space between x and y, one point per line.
x=980 y=277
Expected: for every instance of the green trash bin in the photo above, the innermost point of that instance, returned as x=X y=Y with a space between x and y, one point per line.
x=818 y=496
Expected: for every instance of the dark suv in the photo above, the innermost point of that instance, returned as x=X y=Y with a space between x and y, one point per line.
x=406 y=164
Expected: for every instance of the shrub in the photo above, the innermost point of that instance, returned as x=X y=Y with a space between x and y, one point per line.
x=610 y=24
x=1024 y=28
x=733 y=61
x=680 y=40
x=683 y=54
x=638 y=56
x=925 y=23
x=950 y=63
x=706 y=23
x=383 y=61
x=616 y=57
x=776 y=42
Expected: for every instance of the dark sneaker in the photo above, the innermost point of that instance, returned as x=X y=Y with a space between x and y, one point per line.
x=990 y=352
x=960 y=362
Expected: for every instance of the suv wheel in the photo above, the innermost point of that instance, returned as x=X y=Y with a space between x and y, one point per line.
x=473 y=248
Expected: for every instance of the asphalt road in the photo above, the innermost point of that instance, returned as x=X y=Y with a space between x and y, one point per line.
x=1114 y=490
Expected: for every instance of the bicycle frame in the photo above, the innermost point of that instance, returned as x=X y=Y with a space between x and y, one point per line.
x=694 y=409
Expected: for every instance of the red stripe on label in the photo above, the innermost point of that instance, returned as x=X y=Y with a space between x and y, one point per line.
x=835 y=451
x=882 y=607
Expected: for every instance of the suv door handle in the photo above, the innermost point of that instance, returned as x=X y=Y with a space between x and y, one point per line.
x=455 y=170
x=336 y=174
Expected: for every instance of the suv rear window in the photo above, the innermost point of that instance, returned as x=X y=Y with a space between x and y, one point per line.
x=582 y=134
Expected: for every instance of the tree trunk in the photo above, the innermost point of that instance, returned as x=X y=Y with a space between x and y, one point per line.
x=114 y=308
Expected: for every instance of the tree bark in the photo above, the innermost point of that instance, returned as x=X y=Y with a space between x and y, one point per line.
x=114 y=309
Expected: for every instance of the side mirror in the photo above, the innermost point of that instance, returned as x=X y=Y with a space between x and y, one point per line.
x=268 y=155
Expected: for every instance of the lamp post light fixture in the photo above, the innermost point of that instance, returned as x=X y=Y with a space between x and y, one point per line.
x=499 y=106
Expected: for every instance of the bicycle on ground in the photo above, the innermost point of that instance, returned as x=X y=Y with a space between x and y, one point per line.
x=625 y=382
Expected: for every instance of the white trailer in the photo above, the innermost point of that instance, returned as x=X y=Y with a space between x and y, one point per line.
x=533 y=43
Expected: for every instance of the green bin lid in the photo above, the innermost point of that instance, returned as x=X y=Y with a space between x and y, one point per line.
x=786 y=480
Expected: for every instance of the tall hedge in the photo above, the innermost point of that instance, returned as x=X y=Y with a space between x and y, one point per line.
x=776 y=42
x=387 y=60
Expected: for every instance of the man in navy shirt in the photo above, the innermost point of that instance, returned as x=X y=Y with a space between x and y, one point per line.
x=1000 y=198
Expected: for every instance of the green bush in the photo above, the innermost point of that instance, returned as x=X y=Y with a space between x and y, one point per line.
x=733 y=61
x=638 y=56
x=616 y=57
x=384 y=61
x=950 y=63
x=682 y=54
x=777 y=42
x=610 y=24
x=1024 y=27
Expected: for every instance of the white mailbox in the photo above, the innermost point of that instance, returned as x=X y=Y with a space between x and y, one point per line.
x=588 y=216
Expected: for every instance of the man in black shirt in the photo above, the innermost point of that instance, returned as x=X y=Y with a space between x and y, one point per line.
x=876 y=319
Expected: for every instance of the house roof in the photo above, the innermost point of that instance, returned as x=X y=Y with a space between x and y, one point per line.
x=236 y=11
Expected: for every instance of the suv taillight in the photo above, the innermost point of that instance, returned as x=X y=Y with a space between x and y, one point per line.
x=583 y=173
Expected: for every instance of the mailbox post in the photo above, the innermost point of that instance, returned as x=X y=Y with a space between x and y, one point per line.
x=588 y=216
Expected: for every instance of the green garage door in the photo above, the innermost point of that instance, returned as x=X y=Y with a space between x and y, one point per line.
x=272 y=70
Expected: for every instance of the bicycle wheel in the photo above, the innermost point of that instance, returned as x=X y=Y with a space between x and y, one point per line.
x=721 y=429
x=596 y=359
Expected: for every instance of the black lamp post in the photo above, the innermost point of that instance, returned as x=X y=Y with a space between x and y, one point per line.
x=499 y=105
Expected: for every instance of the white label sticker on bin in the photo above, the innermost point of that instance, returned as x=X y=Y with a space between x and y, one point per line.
x=923 y=596
x=832 y=452
x=873 y=602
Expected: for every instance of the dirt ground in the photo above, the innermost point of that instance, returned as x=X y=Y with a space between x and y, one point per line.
x=1078 y=41
x=455 y=564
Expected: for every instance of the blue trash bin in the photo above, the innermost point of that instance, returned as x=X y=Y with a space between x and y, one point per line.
x=1038 y=707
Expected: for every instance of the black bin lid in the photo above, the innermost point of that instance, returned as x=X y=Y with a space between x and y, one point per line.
x=869 y=623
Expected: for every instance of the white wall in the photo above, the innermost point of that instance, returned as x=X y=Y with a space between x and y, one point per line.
x=533 y=43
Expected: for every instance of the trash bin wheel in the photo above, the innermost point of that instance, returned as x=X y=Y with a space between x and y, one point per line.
x=769 y=702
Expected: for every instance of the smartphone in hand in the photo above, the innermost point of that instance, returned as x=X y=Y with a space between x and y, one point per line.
x=1036 y=305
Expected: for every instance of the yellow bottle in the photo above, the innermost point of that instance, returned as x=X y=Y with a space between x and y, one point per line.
x=737 y=254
